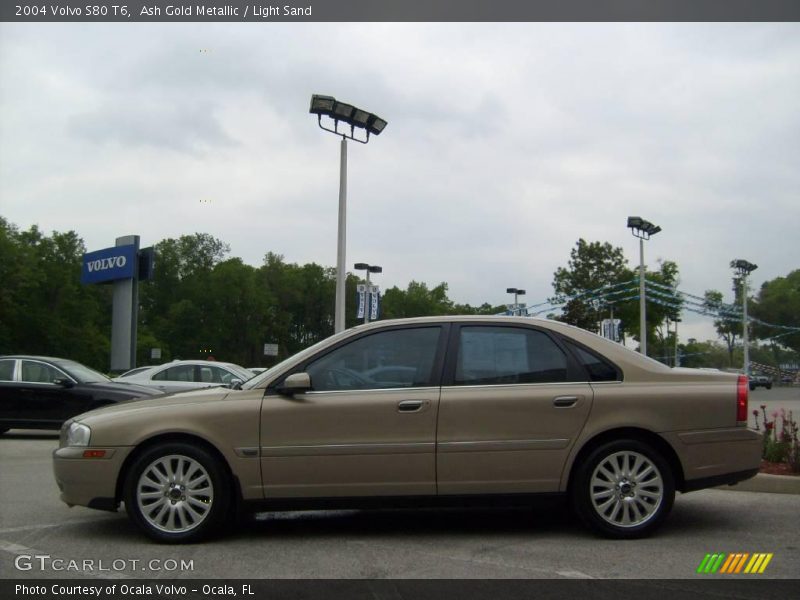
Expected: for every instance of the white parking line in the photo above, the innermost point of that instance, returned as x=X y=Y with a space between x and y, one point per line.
x=574 y=575
x=46 y=526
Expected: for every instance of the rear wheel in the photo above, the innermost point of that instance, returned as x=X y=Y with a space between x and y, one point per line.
x=177 y=493
x=624 y=489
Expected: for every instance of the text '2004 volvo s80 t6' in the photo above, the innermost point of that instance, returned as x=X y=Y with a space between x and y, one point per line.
x=465 y=409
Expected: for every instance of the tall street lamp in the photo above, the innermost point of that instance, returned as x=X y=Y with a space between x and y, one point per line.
x=643 y=230
x=743 y=269
x=517 y=293
x=347 y=114
x=369 y=269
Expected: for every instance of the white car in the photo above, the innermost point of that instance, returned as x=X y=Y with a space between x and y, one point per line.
x=182 y=375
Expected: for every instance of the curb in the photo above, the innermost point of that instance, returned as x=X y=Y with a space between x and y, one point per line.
x=763 y=482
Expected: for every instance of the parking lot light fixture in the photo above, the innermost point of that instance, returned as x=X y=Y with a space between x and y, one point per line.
x=517 y=292
x=341 y=112
x=643 y=230
x=368 y=269
x=743 y=268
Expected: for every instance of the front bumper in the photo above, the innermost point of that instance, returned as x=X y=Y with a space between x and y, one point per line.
x=89 y=481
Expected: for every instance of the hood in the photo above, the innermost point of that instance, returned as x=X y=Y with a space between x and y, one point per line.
x=154 y=403
x=130 y=390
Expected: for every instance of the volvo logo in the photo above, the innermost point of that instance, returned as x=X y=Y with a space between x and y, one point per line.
x=107 y=263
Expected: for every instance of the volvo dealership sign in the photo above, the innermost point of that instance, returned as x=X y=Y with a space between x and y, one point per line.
x=109 y=264
x=124 y=265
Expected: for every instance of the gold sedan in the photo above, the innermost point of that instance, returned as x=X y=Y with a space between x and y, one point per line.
x=426 y=411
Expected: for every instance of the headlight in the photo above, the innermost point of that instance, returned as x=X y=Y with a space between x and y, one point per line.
x=78 y=434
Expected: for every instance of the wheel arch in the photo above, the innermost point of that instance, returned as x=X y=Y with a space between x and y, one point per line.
x=630 y=433
x=167 y=438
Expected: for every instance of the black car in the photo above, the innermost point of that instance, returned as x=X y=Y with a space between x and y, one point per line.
x=41 y=392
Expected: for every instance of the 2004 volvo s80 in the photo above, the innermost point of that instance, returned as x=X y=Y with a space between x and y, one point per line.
x=427 y=411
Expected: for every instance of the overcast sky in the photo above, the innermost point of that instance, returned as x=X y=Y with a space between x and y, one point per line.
x=506 y=143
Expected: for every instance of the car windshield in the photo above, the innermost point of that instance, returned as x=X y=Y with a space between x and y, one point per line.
x=253 y=382
x=240 y=372
x=135 y=371
x=81 y=372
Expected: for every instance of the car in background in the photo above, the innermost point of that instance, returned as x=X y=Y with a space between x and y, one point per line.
x=183 y=375
x=760 y=381
x=422 y=412
x=41 y=392
x=256 y=370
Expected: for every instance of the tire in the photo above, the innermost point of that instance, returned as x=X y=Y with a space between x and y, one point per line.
x=624 y=490
x=769 y=386
x=177 y=493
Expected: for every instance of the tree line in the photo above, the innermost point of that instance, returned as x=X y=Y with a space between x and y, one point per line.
x=203 y=302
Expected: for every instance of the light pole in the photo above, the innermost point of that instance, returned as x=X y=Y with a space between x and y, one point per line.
x=743 y=269
x=677 y=356
x=643 y=230
x=369 y=269
x=517 y=292
x=372 y=124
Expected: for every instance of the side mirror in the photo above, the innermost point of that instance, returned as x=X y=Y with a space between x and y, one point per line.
x=235 y=384
x=296 y=383
x=64 y=382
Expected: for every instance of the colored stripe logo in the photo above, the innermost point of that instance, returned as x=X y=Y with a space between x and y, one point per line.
x=735 y=563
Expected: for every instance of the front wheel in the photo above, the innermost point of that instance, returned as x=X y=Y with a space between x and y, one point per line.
x=177 y=493
x=624 y=489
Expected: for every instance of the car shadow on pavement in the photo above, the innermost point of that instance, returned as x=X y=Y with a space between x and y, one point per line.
x=411 y=522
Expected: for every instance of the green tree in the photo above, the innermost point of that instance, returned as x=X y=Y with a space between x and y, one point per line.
x=44 y=309
x=598 y=279
x=778 y=303
x=417 y=300
x=727 y=328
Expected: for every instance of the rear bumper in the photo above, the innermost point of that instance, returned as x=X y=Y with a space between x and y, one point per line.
x=727 y=479
x=89 y=482
x=717 y=456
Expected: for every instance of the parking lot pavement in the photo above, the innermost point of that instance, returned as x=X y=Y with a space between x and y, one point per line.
x=531 y=543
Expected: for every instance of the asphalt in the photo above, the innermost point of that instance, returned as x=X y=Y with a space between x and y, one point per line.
x=763 y=482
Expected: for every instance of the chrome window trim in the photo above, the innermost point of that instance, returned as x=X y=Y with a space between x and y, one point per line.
x=373 y=390
x=516 y=385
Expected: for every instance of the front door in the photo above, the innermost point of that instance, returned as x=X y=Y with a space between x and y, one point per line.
x=367 y=428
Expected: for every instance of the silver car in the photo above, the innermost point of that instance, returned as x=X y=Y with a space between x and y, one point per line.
x=182 y=375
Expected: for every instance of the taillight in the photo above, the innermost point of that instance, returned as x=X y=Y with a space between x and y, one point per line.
x=741 y=400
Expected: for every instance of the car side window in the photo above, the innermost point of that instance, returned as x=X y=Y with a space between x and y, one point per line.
x=503 y=355
x=598 y=368
x=397 y=358
x=7 y=369
x=38 y=372
x=177 y=373
x=214 y=375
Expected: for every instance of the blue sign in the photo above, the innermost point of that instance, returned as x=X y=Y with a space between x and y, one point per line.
x=118 y=262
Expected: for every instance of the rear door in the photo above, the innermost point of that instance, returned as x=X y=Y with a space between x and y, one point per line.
x=511 y=407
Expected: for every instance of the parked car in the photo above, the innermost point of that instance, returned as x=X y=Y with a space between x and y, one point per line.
x=498 y=409
x=41 y=392
x=182 y=375
x=760 y=381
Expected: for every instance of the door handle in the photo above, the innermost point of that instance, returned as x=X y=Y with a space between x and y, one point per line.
x=564 y=401
x=409 y=405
